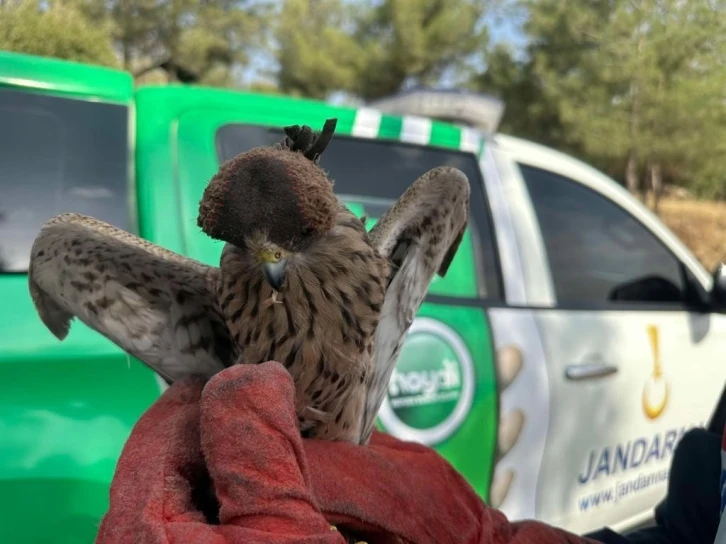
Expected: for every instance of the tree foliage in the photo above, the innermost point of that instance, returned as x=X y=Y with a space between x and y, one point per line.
x=640 y=82
x=317 y=51
x=205 y=39
x=374 y=49
x=54 y=30
x=408 y=44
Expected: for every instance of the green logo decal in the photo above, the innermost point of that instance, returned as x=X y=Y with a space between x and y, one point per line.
x=430 y=391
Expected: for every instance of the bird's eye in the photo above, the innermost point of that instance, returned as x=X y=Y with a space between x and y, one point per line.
x=278 y=255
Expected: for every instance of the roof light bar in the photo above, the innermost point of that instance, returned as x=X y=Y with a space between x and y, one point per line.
x=477 y=110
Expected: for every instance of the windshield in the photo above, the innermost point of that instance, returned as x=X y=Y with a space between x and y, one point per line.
x=377 y=172
x=58 y=155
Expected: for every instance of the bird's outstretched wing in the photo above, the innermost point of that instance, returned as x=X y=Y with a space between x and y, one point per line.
x=157 y=305
x=420 y=235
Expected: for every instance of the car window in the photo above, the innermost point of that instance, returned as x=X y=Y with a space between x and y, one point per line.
x=58 y=155
x=599 y=254
x=378 y=172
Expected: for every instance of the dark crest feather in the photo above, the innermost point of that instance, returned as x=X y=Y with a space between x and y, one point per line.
x=303 y=139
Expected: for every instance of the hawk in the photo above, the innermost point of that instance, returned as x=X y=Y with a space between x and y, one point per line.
x=300 y=281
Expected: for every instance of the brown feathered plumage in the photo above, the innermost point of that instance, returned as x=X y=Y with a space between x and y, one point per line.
x=300 y=281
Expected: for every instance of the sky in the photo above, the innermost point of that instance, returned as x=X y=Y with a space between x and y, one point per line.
x=507 y=28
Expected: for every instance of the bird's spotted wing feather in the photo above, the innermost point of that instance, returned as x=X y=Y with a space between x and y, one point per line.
x=155 y=304
x=420 y=235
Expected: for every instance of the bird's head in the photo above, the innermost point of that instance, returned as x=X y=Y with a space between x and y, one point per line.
x=271 y=258
x=274 y=201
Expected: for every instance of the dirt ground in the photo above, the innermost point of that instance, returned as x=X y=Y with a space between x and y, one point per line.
x=700 y=224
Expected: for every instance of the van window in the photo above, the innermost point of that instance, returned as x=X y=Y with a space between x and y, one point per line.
x=379 y=171
x=58 y=155
x=599 y=255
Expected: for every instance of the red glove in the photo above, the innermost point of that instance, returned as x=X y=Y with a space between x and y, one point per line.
x=236 y=438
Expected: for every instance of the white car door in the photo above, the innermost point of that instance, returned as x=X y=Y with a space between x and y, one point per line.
x=630 y=365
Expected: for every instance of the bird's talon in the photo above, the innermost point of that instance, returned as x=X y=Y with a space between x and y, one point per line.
x=272 y=300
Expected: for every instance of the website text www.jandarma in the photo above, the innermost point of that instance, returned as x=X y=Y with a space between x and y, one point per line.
x=621 y=490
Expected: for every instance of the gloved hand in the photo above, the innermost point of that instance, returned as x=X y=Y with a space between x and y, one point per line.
x=223 y=462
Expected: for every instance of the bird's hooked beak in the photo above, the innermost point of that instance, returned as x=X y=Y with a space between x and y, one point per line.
x=273 y=267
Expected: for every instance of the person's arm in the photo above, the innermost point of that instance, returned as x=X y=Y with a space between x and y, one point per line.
x=236 y=438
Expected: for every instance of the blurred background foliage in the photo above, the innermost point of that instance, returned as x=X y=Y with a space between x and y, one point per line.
x=636 y=88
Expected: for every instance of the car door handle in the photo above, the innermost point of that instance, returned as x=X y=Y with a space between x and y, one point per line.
x=589 y=371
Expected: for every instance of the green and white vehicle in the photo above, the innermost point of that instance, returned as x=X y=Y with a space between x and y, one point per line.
x=551 y=367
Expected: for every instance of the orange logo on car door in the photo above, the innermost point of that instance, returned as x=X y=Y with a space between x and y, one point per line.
x=655 y=391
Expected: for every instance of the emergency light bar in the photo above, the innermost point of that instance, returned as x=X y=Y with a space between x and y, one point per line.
x=476 y=110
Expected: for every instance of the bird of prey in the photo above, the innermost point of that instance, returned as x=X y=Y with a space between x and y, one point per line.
x=300 y=281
